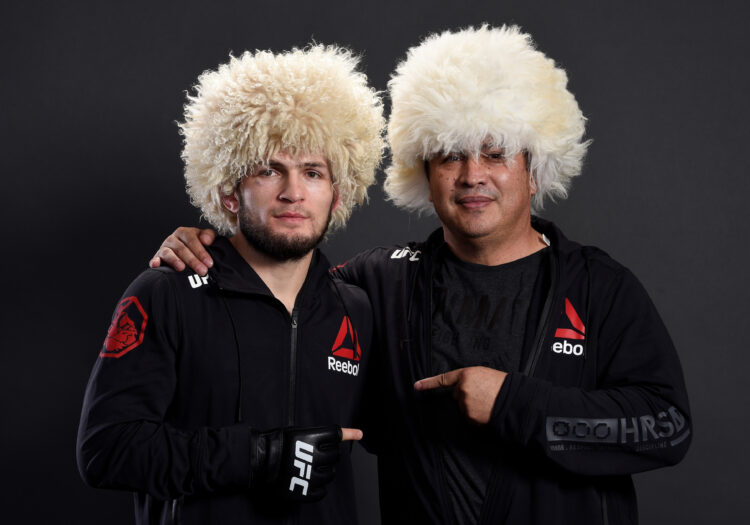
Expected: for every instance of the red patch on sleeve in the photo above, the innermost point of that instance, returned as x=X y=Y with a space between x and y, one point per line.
x=126 y=330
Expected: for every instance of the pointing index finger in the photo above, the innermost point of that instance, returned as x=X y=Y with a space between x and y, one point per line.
x=439 y=381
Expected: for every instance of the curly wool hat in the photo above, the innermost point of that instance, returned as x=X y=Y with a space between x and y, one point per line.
x=310 y=100
x=457 y=90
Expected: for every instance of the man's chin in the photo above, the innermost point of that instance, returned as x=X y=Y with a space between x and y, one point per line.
x=282 y=243
x=281 y=247
x=470 y=231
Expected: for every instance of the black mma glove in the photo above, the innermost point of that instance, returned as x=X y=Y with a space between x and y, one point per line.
x=296 y=462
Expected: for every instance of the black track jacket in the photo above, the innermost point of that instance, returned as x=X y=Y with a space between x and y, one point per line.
x=190 y=365
x=600 y=395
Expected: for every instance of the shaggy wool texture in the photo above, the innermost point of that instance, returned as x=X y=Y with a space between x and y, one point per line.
x=458 y=90
x=310 y=100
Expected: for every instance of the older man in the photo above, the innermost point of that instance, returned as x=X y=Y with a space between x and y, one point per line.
x=525 y=377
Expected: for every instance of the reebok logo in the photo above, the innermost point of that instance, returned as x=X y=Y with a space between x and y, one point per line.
x=347 y=347
x=404 y=252
x=577 y=332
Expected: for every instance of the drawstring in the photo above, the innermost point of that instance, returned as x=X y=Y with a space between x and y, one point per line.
x=422 y=260
x=586 y=324
x=176 y=508
x=411 y=292
x=238 y=416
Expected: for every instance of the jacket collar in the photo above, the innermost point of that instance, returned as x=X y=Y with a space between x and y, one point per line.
x=558 y=242
x=232 y=273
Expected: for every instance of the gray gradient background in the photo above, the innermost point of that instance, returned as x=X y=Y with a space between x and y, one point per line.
x=92 y=181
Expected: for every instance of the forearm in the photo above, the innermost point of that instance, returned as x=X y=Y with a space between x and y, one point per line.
x=611 y=431
x=164 y=461
x=158 y=459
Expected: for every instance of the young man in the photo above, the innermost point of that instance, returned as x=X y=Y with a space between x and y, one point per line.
x=220 y=399
x=524 y=377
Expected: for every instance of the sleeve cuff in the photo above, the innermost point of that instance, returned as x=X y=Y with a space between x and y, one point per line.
x=518 y=406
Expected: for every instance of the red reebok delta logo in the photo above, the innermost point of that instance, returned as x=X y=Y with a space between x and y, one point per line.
x=343 y=346
x=347 y=346
x=579 y=331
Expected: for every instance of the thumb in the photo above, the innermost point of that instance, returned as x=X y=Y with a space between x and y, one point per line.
x=351 y=434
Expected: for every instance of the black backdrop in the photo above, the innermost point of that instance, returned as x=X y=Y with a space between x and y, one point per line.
x=92 y=182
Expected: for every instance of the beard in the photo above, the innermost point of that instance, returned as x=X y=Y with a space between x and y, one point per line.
x=275 y=246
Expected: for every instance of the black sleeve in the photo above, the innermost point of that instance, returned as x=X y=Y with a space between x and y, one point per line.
x=635 y=420
x=370 y=414
x=354 y=270
x=123 y=440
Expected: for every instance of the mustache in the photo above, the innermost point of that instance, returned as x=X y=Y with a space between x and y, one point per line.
x=475 y=192
x=291 y=211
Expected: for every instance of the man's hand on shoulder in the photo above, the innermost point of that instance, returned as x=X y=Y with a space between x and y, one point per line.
x=475 y=388
x=185 y=246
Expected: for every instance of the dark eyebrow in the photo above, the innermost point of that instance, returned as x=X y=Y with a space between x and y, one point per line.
x=317 y=165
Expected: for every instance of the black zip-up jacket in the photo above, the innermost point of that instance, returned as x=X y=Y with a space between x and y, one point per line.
x=600 y=394
x=190 y=365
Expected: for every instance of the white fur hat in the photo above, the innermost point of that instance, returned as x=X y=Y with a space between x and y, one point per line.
x=309 y=100
x=457 y=90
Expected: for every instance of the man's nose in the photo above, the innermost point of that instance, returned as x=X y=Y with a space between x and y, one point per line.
x=472 y=172
x=293 y=189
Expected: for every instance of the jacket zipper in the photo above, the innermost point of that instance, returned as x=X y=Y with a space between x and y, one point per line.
x=292 y=367
x=429 y=268
x=292 y=382
x=537 y=347
x=546 y=315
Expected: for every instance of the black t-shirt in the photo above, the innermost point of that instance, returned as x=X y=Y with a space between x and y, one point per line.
x=479 y=318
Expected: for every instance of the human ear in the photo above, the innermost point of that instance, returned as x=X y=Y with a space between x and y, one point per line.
x=231 y=201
